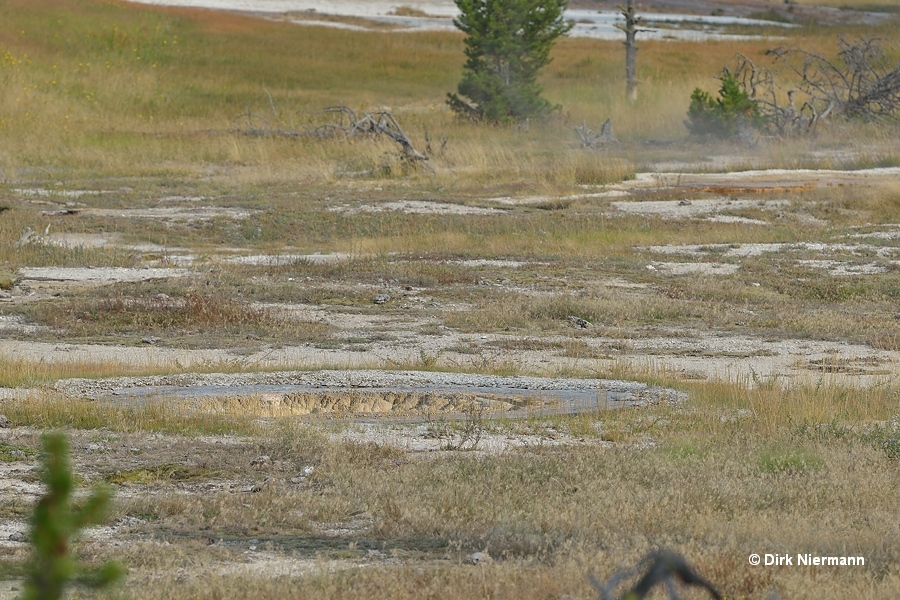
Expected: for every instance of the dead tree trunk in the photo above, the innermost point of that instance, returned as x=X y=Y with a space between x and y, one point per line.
x=631 y=30
x=631 y=49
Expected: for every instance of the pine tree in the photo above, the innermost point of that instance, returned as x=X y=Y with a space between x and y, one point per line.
x=507 y=43
x=724 y=116
x=54 y=524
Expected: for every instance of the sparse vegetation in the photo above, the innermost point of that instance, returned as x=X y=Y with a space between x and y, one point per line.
x=194 y=318
x=764 y=301
x=539 y=511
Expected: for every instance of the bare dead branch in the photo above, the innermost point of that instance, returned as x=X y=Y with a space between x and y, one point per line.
x=593 y=140
x=784 y=118
x=336 y=122
x=860 y=83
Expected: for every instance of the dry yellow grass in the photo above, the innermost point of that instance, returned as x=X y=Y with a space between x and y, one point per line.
x=148 y=91
x=721 y=477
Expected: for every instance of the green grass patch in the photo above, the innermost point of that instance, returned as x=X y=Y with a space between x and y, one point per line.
x=16 y=453
x=166 y=473
x=788 y=461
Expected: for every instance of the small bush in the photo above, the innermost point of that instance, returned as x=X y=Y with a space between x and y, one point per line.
x=891 y=447
x=730 y=115
x=885 y=437
x=7 y=280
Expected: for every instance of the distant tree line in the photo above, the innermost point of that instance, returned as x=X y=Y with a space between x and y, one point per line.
x=508 y=41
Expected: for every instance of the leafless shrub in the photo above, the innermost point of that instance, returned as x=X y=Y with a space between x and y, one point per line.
x=472 y=427
x=782 y=119
x=471 y=430
x=860 y=83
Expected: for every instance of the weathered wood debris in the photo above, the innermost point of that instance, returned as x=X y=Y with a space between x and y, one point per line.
x=336 y=122
x=590 y=139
